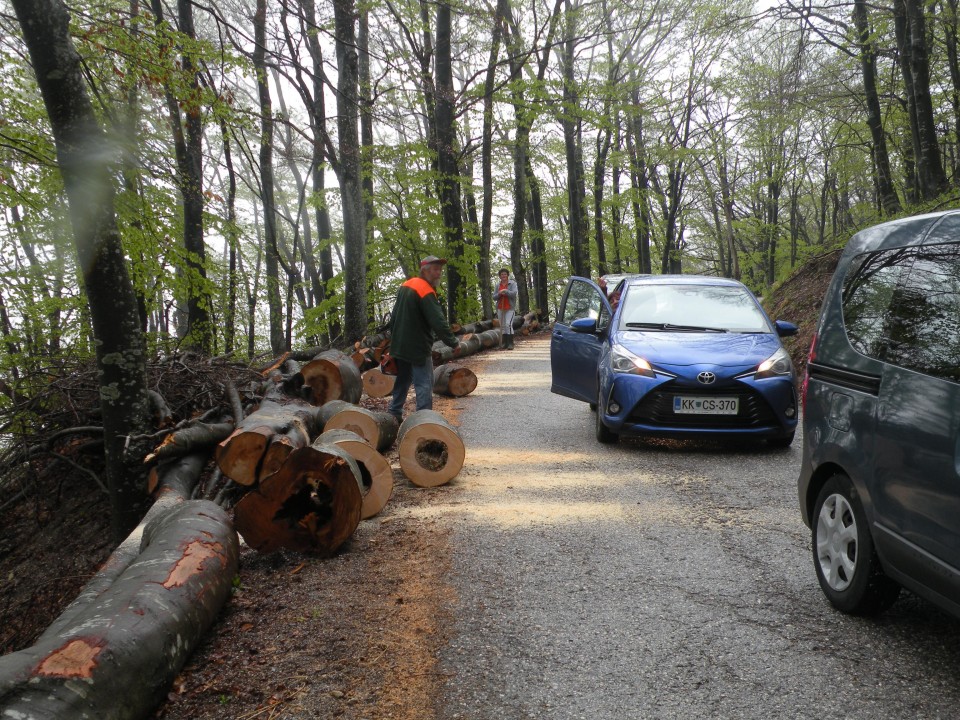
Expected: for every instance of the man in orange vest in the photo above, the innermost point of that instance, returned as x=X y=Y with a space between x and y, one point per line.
x=416 y=318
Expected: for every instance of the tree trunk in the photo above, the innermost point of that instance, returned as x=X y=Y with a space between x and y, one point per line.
x=454 y=381
x=132 y=628
x=449 y=172
x=271 y=248
x=350 y=171
x=331 y=375
x=311 y=504
x=576 y=190
x=933 y=181
x=431 y=449
x=868 y=66
x=241 y=456
x=86 y=159
x=376 y=384
x=377 y=428
x=376 y=475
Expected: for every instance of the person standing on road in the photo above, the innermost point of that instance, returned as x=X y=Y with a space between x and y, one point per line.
x=416 y=318
x=506 y=297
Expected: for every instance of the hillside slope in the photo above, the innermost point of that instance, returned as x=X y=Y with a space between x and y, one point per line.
x=798 y=298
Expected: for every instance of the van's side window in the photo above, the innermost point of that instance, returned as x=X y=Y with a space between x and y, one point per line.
x=868 y=291
x=924 y=334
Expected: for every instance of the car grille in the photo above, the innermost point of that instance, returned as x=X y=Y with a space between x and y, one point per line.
x=656 y=408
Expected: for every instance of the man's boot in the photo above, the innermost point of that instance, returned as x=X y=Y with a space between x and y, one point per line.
x=510 y=341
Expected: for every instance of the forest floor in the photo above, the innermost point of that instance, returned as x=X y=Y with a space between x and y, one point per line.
x=355 y=636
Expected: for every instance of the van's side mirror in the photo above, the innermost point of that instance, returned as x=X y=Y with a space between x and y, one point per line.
x=584 y=325
x=785 y=329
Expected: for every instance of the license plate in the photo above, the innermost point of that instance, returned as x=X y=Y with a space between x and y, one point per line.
x=706 y=405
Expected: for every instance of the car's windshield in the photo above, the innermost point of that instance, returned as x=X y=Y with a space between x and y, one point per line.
x=691 y=308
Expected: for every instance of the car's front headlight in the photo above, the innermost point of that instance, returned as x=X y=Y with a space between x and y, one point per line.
x=624 y=361
x=777 y=365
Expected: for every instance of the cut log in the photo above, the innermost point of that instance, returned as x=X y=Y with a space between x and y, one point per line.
x=297 y=435
x=331 y=375
x=376 y=475
x=328 y=410
x=376 y=384
x=431 y=449
x=454 y=381
x=490 y=338
x=241 y=455
x=311 y=504
x=115 y=651
x=377 y=428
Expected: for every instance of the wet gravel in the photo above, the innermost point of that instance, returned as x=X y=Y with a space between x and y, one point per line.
x=653 y=579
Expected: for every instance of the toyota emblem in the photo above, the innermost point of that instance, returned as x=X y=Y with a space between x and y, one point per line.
x=706 y=378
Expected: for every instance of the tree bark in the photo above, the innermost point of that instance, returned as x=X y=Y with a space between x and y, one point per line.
x=868 y=66
x=350 y=171
x=132 y=628
x=271 y=248
x=449 y=182
x=86 y=158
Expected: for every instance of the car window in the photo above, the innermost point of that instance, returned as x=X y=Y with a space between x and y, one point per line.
x=723 y=307
x=868 y=291
x=583 y=301
x=923 y=330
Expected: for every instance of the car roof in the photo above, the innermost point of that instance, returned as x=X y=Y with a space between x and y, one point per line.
x=683 y=280
x=895 y=233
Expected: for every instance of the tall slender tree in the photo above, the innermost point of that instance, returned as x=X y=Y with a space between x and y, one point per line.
x=85 y=158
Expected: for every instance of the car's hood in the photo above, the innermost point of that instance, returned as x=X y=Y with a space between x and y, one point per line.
x=685 y=349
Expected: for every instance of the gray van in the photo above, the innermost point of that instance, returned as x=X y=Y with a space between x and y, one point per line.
x=880 y=479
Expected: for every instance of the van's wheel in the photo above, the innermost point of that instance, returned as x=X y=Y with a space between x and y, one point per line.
x=604 y=434
x=843 y=553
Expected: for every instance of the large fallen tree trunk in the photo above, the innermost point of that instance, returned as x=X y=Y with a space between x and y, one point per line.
x=376 y=475
x=454 y=380
x=311 y=504
x=115 y=651
x=431 y=449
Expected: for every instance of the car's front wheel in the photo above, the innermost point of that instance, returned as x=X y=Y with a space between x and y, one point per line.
x=845 y=559
x=604 y=434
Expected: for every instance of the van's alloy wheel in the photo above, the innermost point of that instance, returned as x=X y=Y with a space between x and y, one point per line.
x=845 y=559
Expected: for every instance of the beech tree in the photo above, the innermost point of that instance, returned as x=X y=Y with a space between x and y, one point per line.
x=85 y=157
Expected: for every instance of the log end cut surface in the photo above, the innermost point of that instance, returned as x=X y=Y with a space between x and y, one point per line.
x=312 y=504
x=431 y=450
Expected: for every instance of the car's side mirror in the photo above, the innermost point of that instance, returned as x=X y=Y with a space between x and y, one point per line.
x=785 y=329
x=584 y=325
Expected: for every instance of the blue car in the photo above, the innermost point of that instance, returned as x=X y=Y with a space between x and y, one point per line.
x=675 y=356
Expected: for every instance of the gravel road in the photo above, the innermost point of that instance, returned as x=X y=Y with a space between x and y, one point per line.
x=653 y=579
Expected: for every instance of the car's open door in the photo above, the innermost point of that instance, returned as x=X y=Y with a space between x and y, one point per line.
x=577 y=339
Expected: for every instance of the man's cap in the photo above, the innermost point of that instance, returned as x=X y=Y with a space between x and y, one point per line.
x=431 y=259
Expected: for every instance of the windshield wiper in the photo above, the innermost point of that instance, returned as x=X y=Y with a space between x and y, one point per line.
x=674 y=328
